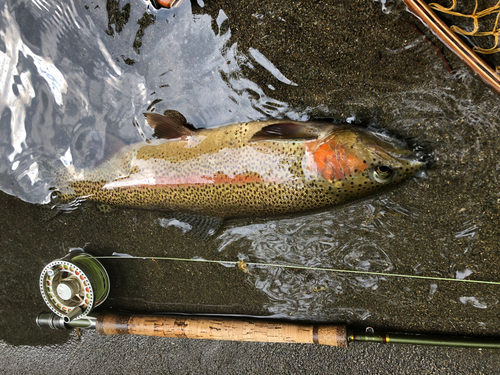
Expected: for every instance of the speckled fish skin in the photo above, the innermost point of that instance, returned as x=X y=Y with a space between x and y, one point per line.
x=232 y=172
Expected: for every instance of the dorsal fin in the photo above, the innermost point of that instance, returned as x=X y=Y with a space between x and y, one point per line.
x=284 y=131
x=167 y=127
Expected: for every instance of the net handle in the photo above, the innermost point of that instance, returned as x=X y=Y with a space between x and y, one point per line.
x=422 y=11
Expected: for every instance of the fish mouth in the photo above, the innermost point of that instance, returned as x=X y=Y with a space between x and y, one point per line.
x=418 y=159
x=416 y=163
x=399 y=150
x=414 y=159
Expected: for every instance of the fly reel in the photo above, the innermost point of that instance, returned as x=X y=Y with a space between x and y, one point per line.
x=74 y=285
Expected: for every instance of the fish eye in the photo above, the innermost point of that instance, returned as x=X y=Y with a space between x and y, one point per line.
x=383 y=174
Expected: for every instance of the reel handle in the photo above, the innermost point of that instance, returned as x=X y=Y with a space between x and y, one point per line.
x=221 y=329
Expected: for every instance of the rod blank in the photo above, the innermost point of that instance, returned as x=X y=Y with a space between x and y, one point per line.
x=432 y=340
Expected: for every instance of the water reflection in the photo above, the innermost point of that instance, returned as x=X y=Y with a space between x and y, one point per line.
x=324 y=241
x=87 y=97
x=476 y=302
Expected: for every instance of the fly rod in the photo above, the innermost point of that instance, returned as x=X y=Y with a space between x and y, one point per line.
x=77 y=283
x=250 y=330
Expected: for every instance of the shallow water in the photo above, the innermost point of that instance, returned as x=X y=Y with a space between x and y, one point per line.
x=72 y=73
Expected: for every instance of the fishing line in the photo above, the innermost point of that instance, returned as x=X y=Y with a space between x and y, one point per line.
x=97 y=275
x=242 y=263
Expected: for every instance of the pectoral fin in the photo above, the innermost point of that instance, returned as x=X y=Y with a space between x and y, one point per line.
x=285 y=131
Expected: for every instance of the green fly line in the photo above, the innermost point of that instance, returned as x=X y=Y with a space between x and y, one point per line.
x=96 y=273
x=242 y=264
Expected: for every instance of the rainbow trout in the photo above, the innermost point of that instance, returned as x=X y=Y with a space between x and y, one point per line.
x=261 y=168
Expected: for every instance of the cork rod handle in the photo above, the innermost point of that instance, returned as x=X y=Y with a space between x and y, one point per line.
x=221 y=329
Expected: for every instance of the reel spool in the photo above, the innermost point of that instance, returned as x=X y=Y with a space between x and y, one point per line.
x=74 y=285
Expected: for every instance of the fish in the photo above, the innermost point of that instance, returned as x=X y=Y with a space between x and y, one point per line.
x=250 y=169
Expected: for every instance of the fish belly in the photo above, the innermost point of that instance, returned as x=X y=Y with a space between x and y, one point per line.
x=222 y=200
